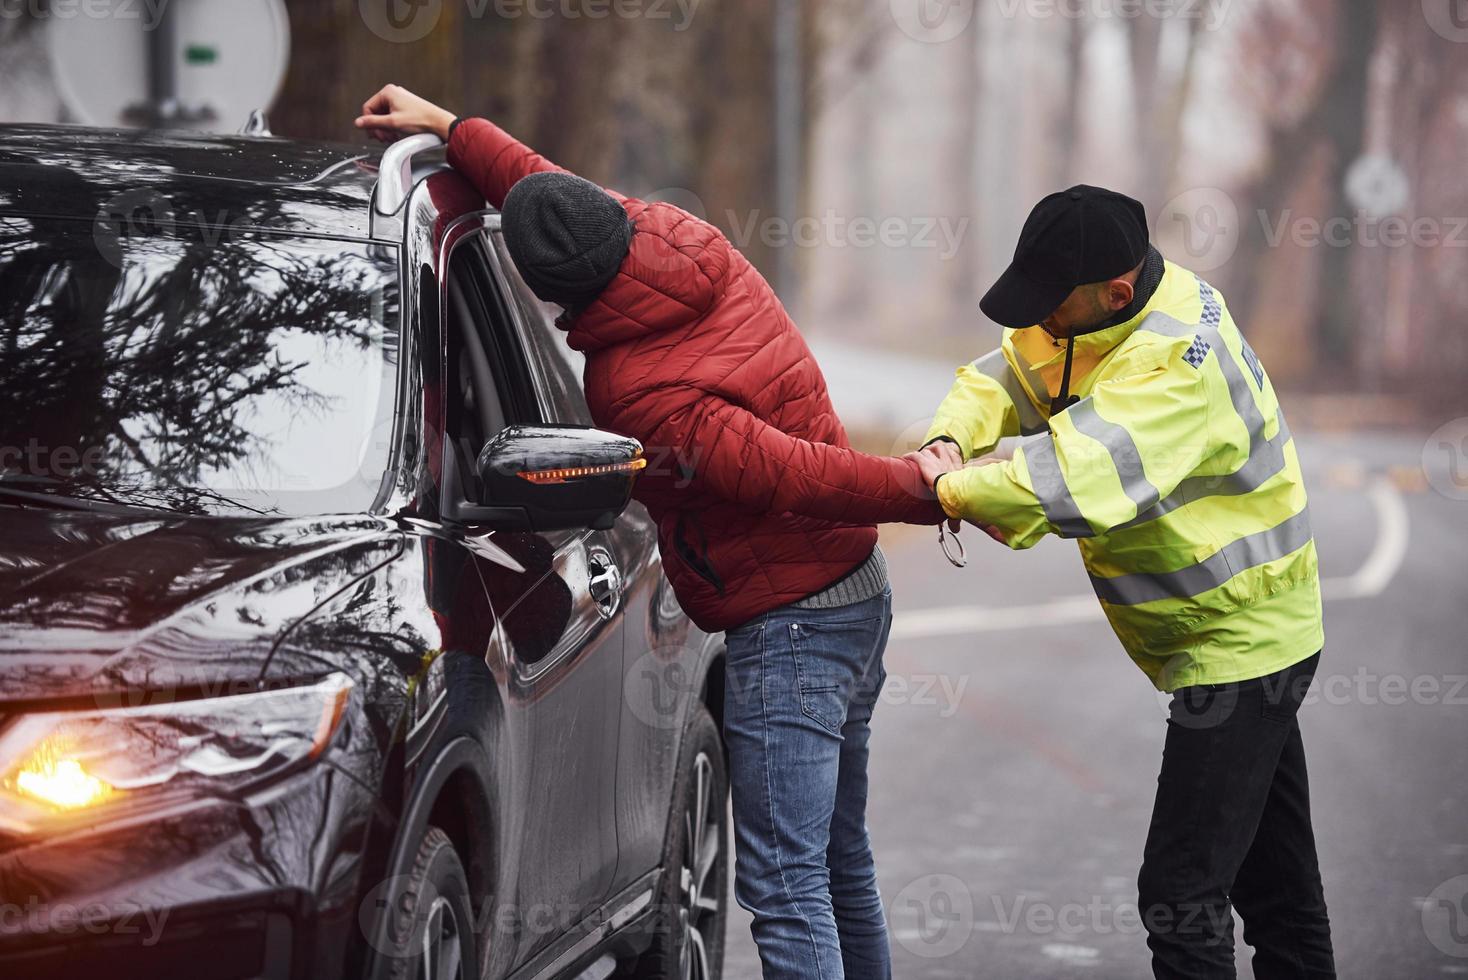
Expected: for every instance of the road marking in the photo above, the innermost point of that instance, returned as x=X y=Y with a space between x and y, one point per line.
x=980 y=619
x=1071 y=953
x=1371 y=579
x=1387 y=554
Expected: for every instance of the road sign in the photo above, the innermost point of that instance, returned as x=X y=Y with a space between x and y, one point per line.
x=1377 y=186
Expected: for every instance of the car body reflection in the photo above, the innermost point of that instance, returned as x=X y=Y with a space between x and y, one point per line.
x=226 y=405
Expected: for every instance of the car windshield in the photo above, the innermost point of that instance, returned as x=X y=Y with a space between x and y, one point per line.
x=206 y=371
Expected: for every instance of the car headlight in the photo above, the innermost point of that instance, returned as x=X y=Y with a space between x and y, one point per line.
x=60 y=766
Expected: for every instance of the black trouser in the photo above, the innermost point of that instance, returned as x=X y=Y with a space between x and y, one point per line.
x=1232 y=822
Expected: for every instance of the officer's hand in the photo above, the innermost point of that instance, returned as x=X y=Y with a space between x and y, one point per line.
x=394 y=112
x=952 y=455
x=988 y=529
x=931 y=466
x=945 y=452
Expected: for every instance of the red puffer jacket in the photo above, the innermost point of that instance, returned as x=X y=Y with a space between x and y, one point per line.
x=758 y=498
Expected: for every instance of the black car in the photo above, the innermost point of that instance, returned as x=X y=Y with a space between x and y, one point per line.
x=330 y=644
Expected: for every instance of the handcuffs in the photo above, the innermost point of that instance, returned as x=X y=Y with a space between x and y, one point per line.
x=944 y=536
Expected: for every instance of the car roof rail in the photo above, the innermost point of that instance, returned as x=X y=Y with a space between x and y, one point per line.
x=395 y=172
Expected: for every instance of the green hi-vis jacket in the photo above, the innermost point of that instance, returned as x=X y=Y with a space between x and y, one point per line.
x=1175 y=472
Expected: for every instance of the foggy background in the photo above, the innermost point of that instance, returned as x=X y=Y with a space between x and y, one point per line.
x=875 y=159
x=1304 y=155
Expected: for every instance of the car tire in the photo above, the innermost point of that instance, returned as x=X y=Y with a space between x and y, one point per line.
x=690 y=913
x=432 y=927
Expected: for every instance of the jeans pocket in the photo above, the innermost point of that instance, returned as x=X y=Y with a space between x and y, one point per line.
x=829 y=658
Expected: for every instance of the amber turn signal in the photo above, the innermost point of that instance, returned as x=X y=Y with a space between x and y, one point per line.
x=577 y=472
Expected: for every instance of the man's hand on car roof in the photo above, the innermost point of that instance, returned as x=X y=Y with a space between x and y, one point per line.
x=394 y=112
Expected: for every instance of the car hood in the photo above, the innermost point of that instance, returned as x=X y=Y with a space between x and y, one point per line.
x=95 y=605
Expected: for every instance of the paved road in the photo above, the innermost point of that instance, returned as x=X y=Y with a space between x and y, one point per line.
x=1014 y=774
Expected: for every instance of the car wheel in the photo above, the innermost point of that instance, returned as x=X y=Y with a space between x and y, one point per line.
x=692 y=901
x=433 y=922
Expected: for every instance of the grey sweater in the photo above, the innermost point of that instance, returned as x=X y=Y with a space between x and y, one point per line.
x=860 y=584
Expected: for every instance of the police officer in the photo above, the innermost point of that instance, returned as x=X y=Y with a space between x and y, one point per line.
x=1151 y=434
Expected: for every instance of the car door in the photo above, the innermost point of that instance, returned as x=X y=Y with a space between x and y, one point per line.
x=659 y=655
x=561 y=642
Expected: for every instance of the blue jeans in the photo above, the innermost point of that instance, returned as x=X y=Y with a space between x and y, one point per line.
x=797 y=708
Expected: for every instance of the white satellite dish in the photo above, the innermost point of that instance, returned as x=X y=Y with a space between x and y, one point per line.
x=198 y=64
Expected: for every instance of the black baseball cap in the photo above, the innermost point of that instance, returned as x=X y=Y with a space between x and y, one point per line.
x=1073 y=237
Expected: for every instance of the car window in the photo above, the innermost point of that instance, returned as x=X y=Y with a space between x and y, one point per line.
x=196 y=370
x=478 y=408
x=558 y=365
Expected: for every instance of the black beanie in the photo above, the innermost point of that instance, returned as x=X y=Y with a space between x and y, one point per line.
x=567 y=236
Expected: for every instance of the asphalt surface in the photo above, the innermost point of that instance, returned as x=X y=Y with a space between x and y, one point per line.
x=1017 y=748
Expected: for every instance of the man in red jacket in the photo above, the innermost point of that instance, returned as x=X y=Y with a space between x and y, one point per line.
x=766 y=524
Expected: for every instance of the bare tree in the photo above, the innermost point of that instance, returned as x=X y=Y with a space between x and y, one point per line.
x=1311 y=89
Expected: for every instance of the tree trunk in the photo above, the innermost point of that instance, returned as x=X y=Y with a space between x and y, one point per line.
x=1343 y=122
x=1334 y=125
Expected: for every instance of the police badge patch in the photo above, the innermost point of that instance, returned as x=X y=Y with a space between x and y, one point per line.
x=1195 y=354
x=1252 y=359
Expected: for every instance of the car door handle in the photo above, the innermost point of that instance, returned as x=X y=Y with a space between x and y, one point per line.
x=605 y=583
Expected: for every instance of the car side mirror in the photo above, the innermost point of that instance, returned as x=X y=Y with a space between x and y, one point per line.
x=550 y=478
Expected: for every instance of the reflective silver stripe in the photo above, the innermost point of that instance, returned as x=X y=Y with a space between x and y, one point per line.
x=1266 y=456
x=1167 y=326
x=1261 y=467
x=1123 y=450
x=1238 y=389
x=1049 y=483
x=1213 y=571
x=994 y=365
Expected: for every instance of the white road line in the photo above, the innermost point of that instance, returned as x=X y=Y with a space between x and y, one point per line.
x=1387 y=554
x=952 y=620
x=1371 y=579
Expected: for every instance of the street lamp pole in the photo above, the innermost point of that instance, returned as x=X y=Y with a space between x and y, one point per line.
x=163 y=65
